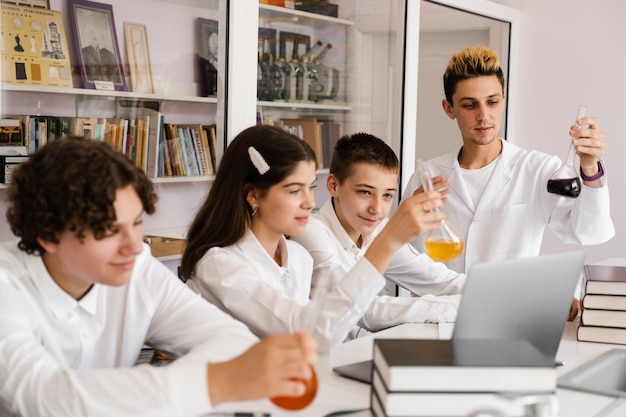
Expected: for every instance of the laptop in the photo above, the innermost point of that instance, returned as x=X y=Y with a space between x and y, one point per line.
x=525 y=298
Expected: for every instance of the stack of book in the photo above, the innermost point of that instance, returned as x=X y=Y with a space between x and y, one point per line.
x=421 y=377
x=603 y=317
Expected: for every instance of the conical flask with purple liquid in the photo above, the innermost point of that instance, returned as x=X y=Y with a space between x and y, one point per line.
x=565 y=181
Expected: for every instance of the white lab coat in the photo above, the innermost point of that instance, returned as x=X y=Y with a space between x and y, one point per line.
x=515 y=208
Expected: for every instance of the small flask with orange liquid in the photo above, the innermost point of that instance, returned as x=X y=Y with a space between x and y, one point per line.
x=318 y=299
x=443 y=243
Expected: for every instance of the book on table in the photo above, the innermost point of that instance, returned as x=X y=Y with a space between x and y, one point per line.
x=605 y=279
x=446 y=404
x=604 y=302
x=465 y=365
x=606 y=318
x=601 y=334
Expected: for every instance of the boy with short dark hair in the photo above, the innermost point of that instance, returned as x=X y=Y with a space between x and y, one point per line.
x=363 y=181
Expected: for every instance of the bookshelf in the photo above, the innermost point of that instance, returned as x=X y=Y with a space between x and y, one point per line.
x=174 y=70
x=360 y=54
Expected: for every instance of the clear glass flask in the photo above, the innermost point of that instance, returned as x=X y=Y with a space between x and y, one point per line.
x=318 y=300
x=565 y=180
x=443 y=243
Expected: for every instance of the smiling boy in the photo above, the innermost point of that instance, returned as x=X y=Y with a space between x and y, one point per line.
x=80 y=295
x=363 y=181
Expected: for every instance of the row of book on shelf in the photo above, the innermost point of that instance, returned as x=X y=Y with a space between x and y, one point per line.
x=603 y=317
x=321 y=132
x=138 y=131
x=456 y=377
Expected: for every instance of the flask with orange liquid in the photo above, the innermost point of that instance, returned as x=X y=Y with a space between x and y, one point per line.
x=443 y=243
x=318 y=299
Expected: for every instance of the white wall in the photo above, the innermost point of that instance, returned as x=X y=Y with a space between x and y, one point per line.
x=573 y=52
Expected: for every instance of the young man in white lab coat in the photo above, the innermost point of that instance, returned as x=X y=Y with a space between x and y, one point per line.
x=497 y=192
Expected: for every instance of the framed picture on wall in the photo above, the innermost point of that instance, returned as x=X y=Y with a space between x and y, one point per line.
x=96 y=45
x=34 y=47
x=208 y=42
x=138 y=57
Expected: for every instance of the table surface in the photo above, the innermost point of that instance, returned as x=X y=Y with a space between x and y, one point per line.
x=337 y=393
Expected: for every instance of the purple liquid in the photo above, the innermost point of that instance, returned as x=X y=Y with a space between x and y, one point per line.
x=568 y=187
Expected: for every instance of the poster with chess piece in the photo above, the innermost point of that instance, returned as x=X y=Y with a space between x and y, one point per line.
x=33 y=47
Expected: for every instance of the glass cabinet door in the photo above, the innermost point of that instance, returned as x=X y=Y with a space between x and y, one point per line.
x=329 y=70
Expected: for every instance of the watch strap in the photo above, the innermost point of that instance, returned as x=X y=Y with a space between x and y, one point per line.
x=594 y=177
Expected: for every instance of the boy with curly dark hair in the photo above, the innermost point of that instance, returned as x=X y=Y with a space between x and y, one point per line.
x=80 y=295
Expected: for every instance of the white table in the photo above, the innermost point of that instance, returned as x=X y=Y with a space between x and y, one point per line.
x=337 y=393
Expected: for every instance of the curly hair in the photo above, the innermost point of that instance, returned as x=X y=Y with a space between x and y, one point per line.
x=71 y=185
x=361 y=148
x=473 y=61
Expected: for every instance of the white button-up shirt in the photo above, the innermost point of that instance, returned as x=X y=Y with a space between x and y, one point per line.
x=57 y=354
x=246 y=282
x=334 y=251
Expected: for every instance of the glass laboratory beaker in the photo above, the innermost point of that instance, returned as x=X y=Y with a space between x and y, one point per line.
x=565 y=180
x=443 y=243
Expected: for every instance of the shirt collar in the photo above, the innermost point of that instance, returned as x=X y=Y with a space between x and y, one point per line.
x=59 y=302
x=251 y=246
x=328 y=215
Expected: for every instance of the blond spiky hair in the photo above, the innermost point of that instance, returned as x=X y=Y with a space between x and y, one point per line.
x=473 y=61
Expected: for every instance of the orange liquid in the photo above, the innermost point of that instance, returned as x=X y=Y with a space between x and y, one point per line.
x=298 y=403
x=442 y=250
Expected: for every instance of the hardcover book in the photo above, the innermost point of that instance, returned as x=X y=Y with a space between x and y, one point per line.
x=309 y=131
x=9 y=163
x=604 y=302
x=447 y=404
x=606 y=318
x=605 y=279
x=11 y=132
x=148 y=111
x=601 y=334
x=463 y=365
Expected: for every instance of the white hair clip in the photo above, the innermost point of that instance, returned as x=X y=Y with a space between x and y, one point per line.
x=258 y=161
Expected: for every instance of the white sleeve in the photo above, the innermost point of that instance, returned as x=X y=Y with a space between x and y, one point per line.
x=388 y=311
x=34 y=383
x=324 y=248
x=412 y=185
x=223 y=277
x=585 y=220
x=419 y=274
